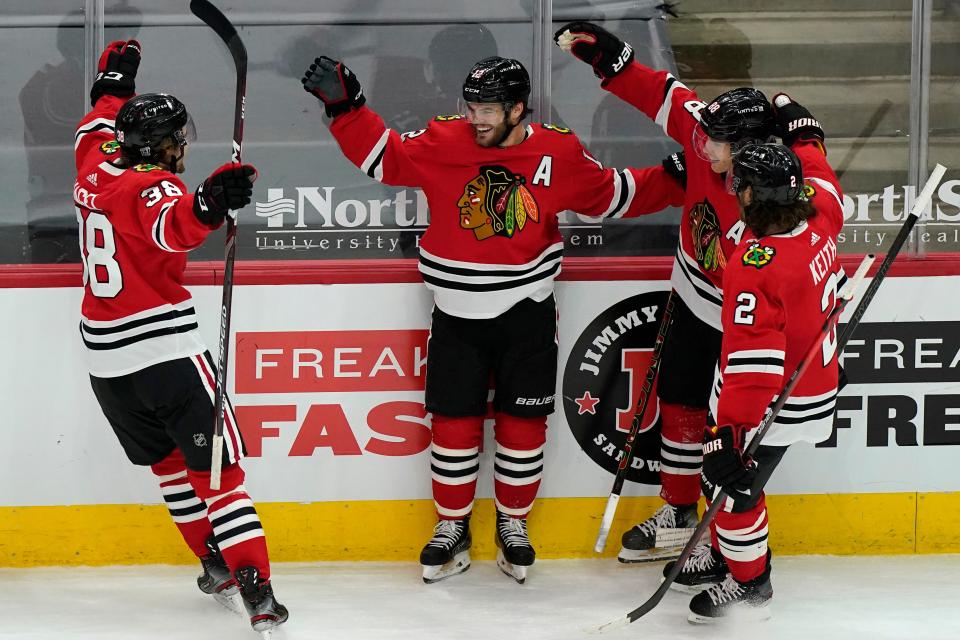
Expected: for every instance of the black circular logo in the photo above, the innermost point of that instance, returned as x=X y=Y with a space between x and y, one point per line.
x=602 y=381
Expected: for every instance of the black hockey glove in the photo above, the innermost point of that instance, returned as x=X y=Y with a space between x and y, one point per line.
x=724 y=463
x=676 y=166
x=229 y=188
x=605 y=52
x=794 y=122
x=334 y=84
x=117 y=70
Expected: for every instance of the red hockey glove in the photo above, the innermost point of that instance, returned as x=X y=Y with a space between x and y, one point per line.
x=724 y=463
x=117 y=70
x=605 y=52
x=334 y=84
x=794 y=122
x=229 y=188
x=675 y=165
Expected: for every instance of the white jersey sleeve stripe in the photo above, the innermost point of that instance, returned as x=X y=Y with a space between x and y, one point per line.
x=373 y=163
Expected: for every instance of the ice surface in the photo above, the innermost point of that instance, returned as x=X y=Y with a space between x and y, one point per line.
x=816 y=598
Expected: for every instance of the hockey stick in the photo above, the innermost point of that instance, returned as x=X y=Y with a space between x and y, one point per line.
x=926 y=194
x=215 y=19
x=645 y=392
x=720 y=495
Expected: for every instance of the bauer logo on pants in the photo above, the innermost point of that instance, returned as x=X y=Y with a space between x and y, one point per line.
x=602 y=381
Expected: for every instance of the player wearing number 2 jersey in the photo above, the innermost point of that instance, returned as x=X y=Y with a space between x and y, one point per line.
x=779 y=287
x=148 y=366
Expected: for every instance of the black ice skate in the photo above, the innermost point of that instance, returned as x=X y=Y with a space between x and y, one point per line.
x=514 y=552
x=448 y=552
x=257 y=595
x=216 y=579
x=661 y=536
x=747 y=601
x=705 y=567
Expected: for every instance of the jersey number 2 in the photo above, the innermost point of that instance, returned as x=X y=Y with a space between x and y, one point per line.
x=98 y=248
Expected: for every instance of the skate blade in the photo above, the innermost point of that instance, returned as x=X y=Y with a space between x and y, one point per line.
x=436 y=573
x=749 y=613
x=230 y=601
x=266 y=627
x=517 y=572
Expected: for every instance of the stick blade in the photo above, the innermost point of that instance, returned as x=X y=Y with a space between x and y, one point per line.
x=619 y=623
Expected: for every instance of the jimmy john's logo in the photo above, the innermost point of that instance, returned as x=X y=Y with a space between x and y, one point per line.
x=603 y=380
x=497 y=203
x=758 y=256
x=706 y=237
x=110 y=147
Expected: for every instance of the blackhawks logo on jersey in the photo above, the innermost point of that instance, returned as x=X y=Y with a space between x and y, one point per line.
x=497 y=203
x=144 y=168
x=705 y=228
x=757 y=256
x=448 y=118
x=110 y=147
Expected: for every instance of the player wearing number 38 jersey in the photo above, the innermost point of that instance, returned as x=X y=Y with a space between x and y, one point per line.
x=149 y=368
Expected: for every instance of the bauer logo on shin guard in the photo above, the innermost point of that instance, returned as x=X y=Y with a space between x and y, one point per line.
x=603 y=382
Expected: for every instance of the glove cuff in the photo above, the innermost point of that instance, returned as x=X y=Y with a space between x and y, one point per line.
x=119 y=85
x=205 y=209
x=334 y=110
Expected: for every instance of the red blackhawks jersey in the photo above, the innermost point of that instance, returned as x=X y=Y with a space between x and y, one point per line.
x=710 y=226
x=778 y=291
x=494 y=238
x=135 y=226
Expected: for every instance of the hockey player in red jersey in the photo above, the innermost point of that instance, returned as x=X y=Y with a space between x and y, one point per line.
x=490 y=255
x=779 y=287
x=149 y=368
x=710 y=228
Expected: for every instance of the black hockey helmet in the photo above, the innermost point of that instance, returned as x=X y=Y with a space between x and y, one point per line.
x=497 y=79
x=738 y=114
x=146 y=120
x=773 y=171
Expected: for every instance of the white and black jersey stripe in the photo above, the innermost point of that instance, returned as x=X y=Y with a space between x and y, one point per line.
x=755 y=361
x=372 y=165
x=99 y=124
x=159 y=231
x=829 y=188
x=663 y=115
x=474 y=290
x=802 y=419
x=134 y=342
x=624 y=190
x=703 y=298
